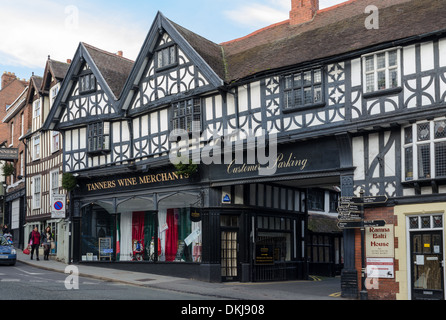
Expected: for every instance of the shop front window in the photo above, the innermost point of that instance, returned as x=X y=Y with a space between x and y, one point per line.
x=178 y=236
x=170 y=234
x=97 y=234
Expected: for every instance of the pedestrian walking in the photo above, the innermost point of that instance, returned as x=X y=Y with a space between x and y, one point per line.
x=5 y=229
x=34 y=241
x=46 y=239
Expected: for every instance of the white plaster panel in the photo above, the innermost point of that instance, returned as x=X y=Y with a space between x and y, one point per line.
x=356 y=72
x=409 y=60
x=427 y=56
x=358 y=157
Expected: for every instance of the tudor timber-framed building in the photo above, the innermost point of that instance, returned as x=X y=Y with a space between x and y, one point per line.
x=352 y=106
x=44 y=160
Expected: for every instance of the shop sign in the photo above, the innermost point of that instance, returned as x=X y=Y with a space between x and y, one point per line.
x=132 y=182
x=195 y=215
x=290 y=158
x=9 y=153
x=380 y=241
x=264 y=254
x=58 y=205
x=380 y=268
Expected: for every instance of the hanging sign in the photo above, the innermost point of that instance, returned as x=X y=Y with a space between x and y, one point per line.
x=58 y=204
x=9 y=153
x=380 y=268
x=380 y=241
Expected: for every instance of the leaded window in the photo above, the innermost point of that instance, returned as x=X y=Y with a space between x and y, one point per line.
x=425 y=222
x=425 y=150
x=303 y=89
x=98 y=137
x=187 y=115
x=87 y=83
x=381 y=71
x=166 y=57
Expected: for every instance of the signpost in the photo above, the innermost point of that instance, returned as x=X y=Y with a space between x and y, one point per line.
x=351 y=216
x=58 y=206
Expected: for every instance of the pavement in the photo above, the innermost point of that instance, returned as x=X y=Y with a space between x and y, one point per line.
x=316 y=288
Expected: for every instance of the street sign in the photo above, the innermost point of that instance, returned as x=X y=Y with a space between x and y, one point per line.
x=58 y=206
x=349 y=224
x=375 y=223
x=369 y=200
x=360 y=224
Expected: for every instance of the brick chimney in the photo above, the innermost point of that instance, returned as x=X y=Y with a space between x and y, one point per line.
x=303 y=11
x=7 y=78
x=120 y=53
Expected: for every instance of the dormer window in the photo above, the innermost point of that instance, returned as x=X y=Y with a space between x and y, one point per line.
x=87 y=83
x=36 y=108
x=166 y=57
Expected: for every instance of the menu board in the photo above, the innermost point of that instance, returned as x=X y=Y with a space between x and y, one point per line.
x=105 y=248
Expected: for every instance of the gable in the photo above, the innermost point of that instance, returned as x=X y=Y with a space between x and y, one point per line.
x=86 y=105
x=74 y=105
x=189 y=73
x=160 y=81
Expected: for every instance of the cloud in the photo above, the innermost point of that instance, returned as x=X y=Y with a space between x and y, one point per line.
x=256 y=15
x=38 y=28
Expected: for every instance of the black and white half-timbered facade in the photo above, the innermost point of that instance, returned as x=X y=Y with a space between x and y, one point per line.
x=333 y=99
x=44 y=161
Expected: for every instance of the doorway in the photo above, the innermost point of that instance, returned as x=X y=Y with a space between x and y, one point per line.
x=229 y=247
x=426 y=248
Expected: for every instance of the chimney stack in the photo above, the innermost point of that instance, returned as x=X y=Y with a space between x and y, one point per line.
x=303 y=11
x=7 y=78
x=120 y=53
x=69 y=61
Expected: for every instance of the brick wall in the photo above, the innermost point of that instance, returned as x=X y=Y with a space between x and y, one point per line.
x=9 y=92
x=16 y=143
x=386 y=288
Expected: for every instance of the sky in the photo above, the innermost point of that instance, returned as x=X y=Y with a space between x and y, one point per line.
x=32 y=30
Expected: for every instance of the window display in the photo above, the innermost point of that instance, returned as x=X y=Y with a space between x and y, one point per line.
x=179 y=235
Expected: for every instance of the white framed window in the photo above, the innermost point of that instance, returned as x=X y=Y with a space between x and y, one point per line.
x=382 y=70
x=12 y=134
x=54 y=181
x=55 y=141
x=36 y=108
x=53 y=93
x=22 y=124
x=22 y=164
x=36 y=187
x=424 y=150
x=36 y=147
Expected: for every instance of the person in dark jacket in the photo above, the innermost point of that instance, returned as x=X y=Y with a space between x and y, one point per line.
x=34 y=241
x=46 y=239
